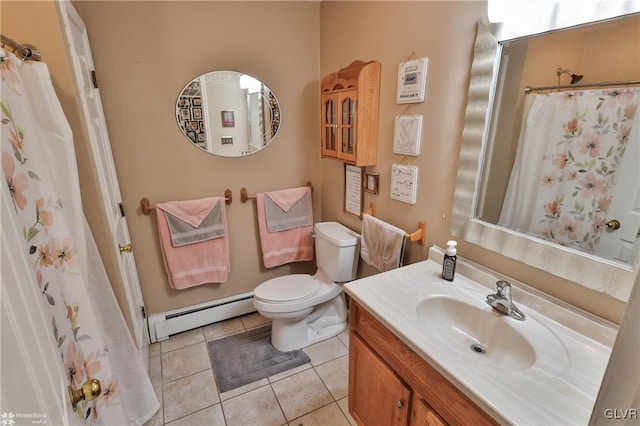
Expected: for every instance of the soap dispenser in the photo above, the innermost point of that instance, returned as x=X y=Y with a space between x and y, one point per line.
x=449 y=263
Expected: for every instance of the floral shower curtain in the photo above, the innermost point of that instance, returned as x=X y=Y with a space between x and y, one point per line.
x=569 y=150
x=39 y=168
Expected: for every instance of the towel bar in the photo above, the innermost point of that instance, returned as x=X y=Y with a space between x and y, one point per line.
x=420 y=235
x=371 y=210
x=146 y=206
x=244 y=196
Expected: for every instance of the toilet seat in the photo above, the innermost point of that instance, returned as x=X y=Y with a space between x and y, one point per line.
x=287 y=288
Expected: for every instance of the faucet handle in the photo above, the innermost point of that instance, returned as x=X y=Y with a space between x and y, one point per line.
x=503 y=289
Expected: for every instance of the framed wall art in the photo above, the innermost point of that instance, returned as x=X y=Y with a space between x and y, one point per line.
x=228 y=119
x=412 y=81
x=353 y=195
x=371 y=182
x=407 y=134
x=404 y=182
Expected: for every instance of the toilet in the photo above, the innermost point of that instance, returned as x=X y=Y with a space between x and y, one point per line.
x=305 y=309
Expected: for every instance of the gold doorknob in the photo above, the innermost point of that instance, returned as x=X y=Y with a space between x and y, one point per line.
x=125 y=248
x=612 y=225
x=89 y=391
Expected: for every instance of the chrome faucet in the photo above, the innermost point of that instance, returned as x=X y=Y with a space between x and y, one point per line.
x=501 y=301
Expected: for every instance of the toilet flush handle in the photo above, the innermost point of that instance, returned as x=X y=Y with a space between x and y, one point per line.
x=314 y=235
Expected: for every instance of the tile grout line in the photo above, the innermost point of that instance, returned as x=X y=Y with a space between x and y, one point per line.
x=275 y=395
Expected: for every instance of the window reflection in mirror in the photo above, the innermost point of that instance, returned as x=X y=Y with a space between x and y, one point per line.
x=568 y=186
x=228 y=113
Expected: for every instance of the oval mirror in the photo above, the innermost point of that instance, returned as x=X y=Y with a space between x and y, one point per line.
x=228 y=113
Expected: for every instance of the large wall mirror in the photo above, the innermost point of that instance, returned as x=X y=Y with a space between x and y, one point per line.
x=228 y=113
x=518 y=76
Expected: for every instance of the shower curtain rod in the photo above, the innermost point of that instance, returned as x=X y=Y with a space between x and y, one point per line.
x=528 y=89
x=24 y=51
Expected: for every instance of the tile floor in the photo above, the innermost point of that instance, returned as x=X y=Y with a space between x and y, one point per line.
x=312 y=394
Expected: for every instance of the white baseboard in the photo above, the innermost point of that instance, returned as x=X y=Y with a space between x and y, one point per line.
x=164 y=324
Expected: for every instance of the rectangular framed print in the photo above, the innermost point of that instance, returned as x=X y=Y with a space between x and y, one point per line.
x=404 y=182
x=407 y=134
x=412 y=81
x=353 y=195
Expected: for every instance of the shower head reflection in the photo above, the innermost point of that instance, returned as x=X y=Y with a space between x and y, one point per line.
x=574 y=77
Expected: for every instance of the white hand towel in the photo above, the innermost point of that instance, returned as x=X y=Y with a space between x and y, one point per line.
x=382 y=244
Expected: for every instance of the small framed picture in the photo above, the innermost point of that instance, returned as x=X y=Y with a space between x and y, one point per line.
x=196 y=101
x=193 y=125
x=201 y=137
x=197 y=113
x=184 y=114
x=192 y=135
x=227 y=119
x=183 y=102
x=371 y=182
x=201 y=125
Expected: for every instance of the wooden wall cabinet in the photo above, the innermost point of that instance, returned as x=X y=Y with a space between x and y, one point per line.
x=389 y=384
x=350 y=111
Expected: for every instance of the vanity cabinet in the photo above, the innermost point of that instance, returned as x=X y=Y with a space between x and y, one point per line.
x=423 y=414
x=390 y=384
x=350 y=109
x=386 y=397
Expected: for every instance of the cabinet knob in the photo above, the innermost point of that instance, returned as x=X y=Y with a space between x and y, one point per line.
x=399 y=404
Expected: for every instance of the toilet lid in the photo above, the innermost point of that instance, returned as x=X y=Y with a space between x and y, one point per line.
x=287 y=288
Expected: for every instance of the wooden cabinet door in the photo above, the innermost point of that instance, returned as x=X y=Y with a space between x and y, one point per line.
x=330 y=125
x=423 y=415
x=380 y=397
x=347 y=130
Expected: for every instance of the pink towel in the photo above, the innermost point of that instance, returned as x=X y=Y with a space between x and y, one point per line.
x=197 y=263
x=291 y=245
x=288 y=197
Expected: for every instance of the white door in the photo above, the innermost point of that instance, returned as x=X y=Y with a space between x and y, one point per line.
x=95 y=129
x=33 y=389
x=623 y=244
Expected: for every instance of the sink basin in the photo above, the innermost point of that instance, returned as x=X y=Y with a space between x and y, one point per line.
x=476 y=332
x=546 y=369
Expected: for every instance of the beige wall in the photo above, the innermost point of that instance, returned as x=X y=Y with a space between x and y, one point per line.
x=444 y=32
x=144 y=54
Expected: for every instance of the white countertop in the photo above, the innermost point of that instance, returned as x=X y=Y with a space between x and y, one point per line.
x=572 y=347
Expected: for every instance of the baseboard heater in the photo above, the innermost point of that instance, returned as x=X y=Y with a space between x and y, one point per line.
x=164 y=324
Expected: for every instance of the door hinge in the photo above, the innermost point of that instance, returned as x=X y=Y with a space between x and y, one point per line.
x=144 y=312
x=94 y=79
x=121 y=209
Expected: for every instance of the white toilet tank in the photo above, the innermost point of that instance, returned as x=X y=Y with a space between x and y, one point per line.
x=337 y=251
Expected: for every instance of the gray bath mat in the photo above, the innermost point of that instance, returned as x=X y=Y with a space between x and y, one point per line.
x=248 y=357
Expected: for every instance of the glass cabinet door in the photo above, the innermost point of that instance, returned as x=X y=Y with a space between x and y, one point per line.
x=330 y=125
x=347 y=125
